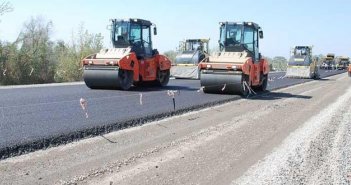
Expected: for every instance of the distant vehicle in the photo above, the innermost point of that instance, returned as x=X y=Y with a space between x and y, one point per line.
x=239 y=66
x=349 y=70
x=342 y=62
x=301 y=64
x=329 y=62
x=131 y=61
x=191 y=52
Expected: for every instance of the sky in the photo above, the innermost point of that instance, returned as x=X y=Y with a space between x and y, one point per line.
x=324 y=24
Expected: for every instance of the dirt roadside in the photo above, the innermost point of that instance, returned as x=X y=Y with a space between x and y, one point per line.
x=279 y=137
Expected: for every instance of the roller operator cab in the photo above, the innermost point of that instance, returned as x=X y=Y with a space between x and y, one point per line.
x=132 y=60
x=239 y=66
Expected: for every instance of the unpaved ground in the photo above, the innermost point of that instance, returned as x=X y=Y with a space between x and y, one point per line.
x=296 y=135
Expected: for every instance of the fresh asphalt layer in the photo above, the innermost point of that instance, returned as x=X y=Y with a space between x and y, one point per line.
x=37 y=117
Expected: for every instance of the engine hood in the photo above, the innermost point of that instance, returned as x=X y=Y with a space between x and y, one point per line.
x=113 y=53
x=229 y=57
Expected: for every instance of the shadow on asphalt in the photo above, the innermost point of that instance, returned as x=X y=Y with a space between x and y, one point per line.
x=278 y=95
x=325 y=79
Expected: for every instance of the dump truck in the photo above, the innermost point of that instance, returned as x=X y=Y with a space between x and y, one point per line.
x=191 y=52
x=238 y=67
x=342 y=62
x=301 y=63
x=329 y=62
x=132 y=60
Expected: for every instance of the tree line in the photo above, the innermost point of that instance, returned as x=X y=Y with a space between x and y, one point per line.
x=34 y=58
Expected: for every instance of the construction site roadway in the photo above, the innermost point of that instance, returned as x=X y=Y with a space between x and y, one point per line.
x=295 y=135
x=40 y=116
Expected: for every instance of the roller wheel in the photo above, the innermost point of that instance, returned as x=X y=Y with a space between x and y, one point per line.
x=138 y=83
x=316 y=75
x=264 y=83
x=244 y=90
x=263 y=86
x=125 y=78
x=163 y=77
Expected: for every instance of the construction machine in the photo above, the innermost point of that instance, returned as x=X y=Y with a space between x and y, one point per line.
x=301 y=64
x=342 y=62
x=329 y=62
x=191 y=52
x=238 y=68
x=132 y=60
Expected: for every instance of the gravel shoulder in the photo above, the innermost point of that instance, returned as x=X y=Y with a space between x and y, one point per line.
x=318 y=152
x=298 y=134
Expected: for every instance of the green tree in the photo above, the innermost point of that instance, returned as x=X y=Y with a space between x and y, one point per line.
x=30 y=58
x=69 y=56
x=35 y=61
x=5 y=7
x=34 y=58
x=279 y=63
x=7 y=55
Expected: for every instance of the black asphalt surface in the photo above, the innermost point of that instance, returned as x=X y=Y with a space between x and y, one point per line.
x=32 y=118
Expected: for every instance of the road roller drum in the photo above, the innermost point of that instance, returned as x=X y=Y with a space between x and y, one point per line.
x=131 y=61
x=108 y=78
x=238 y=68
x=221 y=83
